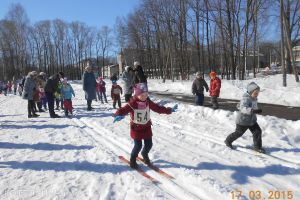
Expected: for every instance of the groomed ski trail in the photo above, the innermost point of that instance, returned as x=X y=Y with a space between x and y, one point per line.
x=171 y=187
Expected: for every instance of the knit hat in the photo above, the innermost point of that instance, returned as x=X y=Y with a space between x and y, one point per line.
x=198 y=74
x=33 y=73
x=212 y=74
x=140 y=88
x=136 y=63
x=251 y=87
x=127 y=68
x=65 y=80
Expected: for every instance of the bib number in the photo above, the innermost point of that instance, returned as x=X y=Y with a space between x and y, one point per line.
x=141 y=116
x=116 y=91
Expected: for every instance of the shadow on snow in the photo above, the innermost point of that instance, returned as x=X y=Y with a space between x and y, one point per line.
x=14 y=126
x=65 y=166
x=43 y=146
x=240 y=174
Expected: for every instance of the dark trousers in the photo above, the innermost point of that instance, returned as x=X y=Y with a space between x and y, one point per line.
x=199 y=99
x=44 y=102
x=138 y=146
x=100 y=95
x=39 y=105
x=30 y=107
x=115 y=100
x=240 y=130
x=89 y=104
x=35 y=106
x=214 y=102
x=50 y=100
x=61 y=101
x=128 y=97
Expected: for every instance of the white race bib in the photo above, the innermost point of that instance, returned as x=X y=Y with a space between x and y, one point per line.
x=116 y=91
x=141 y=116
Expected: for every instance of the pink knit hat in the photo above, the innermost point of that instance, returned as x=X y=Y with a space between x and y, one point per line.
x=140 y=88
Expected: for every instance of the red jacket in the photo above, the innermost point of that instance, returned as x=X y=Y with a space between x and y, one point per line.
x=116 y=90
x=139 y=130
x=100 y=86
x=215 y=85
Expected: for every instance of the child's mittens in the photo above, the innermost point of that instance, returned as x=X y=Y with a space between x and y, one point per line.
x=118 y=118
x=175 y=107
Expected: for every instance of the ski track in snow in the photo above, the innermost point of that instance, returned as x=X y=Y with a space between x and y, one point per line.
x=77 y=158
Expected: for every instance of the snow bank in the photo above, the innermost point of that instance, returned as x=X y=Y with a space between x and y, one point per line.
x=272 y=90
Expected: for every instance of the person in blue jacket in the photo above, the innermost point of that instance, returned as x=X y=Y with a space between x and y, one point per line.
x=66 y=93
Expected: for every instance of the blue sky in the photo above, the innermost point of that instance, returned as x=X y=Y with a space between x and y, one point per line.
x=95 y=13
x=92 y=12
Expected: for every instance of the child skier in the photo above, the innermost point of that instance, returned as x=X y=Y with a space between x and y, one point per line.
x=116 y=92
x=66 y=94
x=140 y=126
x=246 y=118
x=100 y=89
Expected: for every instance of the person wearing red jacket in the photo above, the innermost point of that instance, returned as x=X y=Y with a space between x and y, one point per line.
x=101 y=90
x=214 y=89
x=116 y=92
x=140 y=125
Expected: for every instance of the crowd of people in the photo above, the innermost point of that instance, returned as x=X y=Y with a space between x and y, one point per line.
x=10 y=87
x=42 y=93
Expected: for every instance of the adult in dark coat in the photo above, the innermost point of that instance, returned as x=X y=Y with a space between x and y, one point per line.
x=50 y=88
x=89 y=86
x=28 y=92
x=139 y=75
x=198 y=88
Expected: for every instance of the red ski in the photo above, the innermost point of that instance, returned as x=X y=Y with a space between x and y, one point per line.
x=142 y=172
x=156 y=169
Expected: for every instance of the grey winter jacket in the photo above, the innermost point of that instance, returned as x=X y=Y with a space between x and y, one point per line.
x=198 y=86
x=127 y=77
x=89 y=85
x=245 y=116
x=29 y=87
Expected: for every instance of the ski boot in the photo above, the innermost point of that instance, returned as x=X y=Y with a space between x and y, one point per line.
x=133 y=163
x=146 y=159
x=228 y=144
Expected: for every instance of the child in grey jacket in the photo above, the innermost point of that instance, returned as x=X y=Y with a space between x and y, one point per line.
x=246 y=118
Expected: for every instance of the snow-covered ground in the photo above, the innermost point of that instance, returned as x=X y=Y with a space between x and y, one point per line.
x=272 y=90
x=77 y=158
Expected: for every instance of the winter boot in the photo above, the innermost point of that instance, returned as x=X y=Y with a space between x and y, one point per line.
x=146 y=159
x=228 y=144
x=133 y=163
